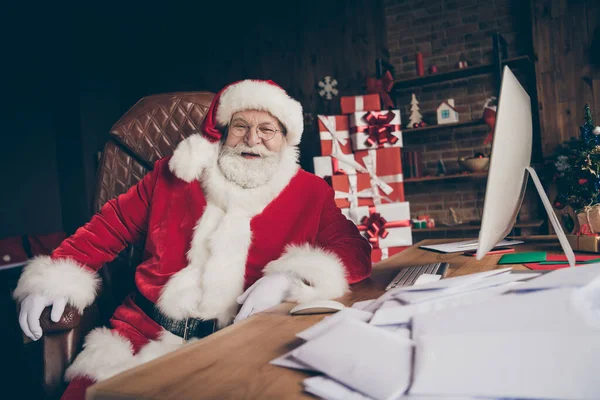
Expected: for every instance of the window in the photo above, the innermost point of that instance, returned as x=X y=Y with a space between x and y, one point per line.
x=445 y=113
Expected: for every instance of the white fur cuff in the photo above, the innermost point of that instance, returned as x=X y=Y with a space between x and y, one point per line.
x=322 y=270
x=192 y=156
x=56 y=279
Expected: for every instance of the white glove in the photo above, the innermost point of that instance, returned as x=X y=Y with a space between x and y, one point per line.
x=31 y=310
x=266 y=292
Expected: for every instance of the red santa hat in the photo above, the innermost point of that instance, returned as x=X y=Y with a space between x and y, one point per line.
x=254 y=95
x=198 y=152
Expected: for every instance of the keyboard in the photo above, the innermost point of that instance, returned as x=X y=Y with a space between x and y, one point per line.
x=407 y=276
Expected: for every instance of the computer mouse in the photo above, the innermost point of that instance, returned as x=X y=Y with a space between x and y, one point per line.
x=317 y=307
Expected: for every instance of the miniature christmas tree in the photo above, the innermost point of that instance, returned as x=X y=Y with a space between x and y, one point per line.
x=415 y=116
x=576 y=168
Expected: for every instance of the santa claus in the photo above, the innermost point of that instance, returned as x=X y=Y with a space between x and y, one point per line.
x=233 y=227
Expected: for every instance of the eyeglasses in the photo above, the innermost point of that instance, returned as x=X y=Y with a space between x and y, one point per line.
x=265 y=131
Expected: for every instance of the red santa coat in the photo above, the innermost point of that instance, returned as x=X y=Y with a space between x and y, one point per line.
x=207 y=241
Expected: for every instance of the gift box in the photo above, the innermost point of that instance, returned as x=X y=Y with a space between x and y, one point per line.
x=327 y=165
x=375 y=129
x=387 y=165
x=364 y=190
x=334 y=132
x=385 y=225
x=378 y=255
x=585 y=243
x=366 y=102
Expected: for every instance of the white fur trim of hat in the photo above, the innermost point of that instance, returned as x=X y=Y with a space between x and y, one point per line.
x=263 y=96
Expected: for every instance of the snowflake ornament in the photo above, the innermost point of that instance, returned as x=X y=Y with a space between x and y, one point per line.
x=328 y=88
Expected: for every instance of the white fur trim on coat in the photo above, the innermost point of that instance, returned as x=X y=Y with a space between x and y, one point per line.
x=260 y=95
x=106 y=353
x=192 y=156
x=323 y=272
x=58 y=278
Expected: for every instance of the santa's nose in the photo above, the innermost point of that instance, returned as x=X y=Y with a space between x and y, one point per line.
x=252 y=138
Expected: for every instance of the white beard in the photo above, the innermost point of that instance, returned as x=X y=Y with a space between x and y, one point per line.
x=248 y=173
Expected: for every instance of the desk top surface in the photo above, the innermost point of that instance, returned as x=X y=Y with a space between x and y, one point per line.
x=234 y=362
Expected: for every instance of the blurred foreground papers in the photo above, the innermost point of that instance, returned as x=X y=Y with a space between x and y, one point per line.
x=372 y=361
x=534 y=345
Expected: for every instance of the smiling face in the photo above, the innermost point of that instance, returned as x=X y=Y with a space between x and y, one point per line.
x=251 y=151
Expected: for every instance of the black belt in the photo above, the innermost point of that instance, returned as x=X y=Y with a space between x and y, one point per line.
x=185 y=328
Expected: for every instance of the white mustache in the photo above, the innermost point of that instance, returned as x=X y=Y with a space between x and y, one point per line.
x=260 y=150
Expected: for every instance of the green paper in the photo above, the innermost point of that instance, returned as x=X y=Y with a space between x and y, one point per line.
x=522 y=258
x=595 y=260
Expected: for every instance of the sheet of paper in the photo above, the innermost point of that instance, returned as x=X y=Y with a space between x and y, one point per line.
x=567 y=277
x=427 y=278
x=438 y=285
x=456 y=247
x=288 y=361
x=479 y=284
x=404 y=314
x=329 y=322
x=521 y=340
x=327 y=388
x=367 y=359
x=361 y=305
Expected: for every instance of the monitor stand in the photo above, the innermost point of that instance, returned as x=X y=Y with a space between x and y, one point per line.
x=562 y=238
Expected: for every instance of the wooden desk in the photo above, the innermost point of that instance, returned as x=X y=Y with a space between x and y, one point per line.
x=234 y=363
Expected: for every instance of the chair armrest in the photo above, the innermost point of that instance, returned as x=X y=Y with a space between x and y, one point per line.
x=61 y=343
x=69 y=320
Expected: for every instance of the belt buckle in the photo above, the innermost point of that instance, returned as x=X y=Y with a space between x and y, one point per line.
x=186 y=329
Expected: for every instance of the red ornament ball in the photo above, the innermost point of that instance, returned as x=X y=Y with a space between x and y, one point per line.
x=422 y=124
x=582 y=181
x=416 y=125
x=558 y=205
x=479 y=155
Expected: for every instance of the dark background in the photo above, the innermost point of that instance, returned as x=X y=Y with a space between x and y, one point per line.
x=72 y=72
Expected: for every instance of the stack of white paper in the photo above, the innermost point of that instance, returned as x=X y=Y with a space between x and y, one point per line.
x=485 y=335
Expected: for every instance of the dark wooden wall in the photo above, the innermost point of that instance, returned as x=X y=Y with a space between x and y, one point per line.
x=92 y=62
x=566 y=42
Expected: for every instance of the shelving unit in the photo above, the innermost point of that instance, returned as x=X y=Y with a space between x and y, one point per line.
x=476 y=122
x=465 y=73
x=525 y=65
x=476 y=227
x=473 y=175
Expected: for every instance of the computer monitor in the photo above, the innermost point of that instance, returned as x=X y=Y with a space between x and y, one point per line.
x=510 y=167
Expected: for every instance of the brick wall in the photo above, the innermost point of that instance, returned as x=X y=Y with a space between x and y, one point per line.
x=446 y=31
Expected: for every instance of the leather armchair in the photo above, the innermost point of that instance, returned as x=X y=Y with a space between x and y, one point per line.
x=150 y=130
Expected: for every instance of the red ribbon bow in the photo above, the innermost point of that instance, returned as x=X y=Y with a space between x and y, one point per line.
x=379 y=128
x=585 y=230
x=375 y=225
x=382 y=86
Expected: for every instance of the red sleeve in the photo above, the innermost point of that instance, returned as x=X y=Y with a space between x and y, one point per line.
x=340 y=236
x=120 y=222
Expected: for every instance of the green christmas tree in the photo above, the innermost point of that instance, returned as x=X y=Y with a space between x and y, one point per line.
x=576 y=168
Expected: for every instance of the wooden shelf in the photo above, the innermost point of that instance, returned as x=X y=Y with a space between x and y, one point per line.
x=473 y=175
x=456 y=125
x=459 y=73
x=476 y=227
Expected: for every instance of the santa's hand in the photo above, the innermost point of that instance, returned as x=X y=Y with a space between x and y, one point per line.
x=31 y=310
x=266 y=292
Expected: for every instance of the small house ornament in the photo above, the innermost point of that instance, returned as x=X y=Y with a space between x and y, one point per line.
x=446 y=113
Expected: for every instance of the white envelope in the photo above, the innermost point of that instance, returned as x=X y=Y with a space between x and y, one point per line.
x=329 y=322
x=327 y=388
x=288 y=361
x=437 y=285
x=413 y=297
x=534 y=345
x=565 y=277
x=403 y=314
x=367 y=359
